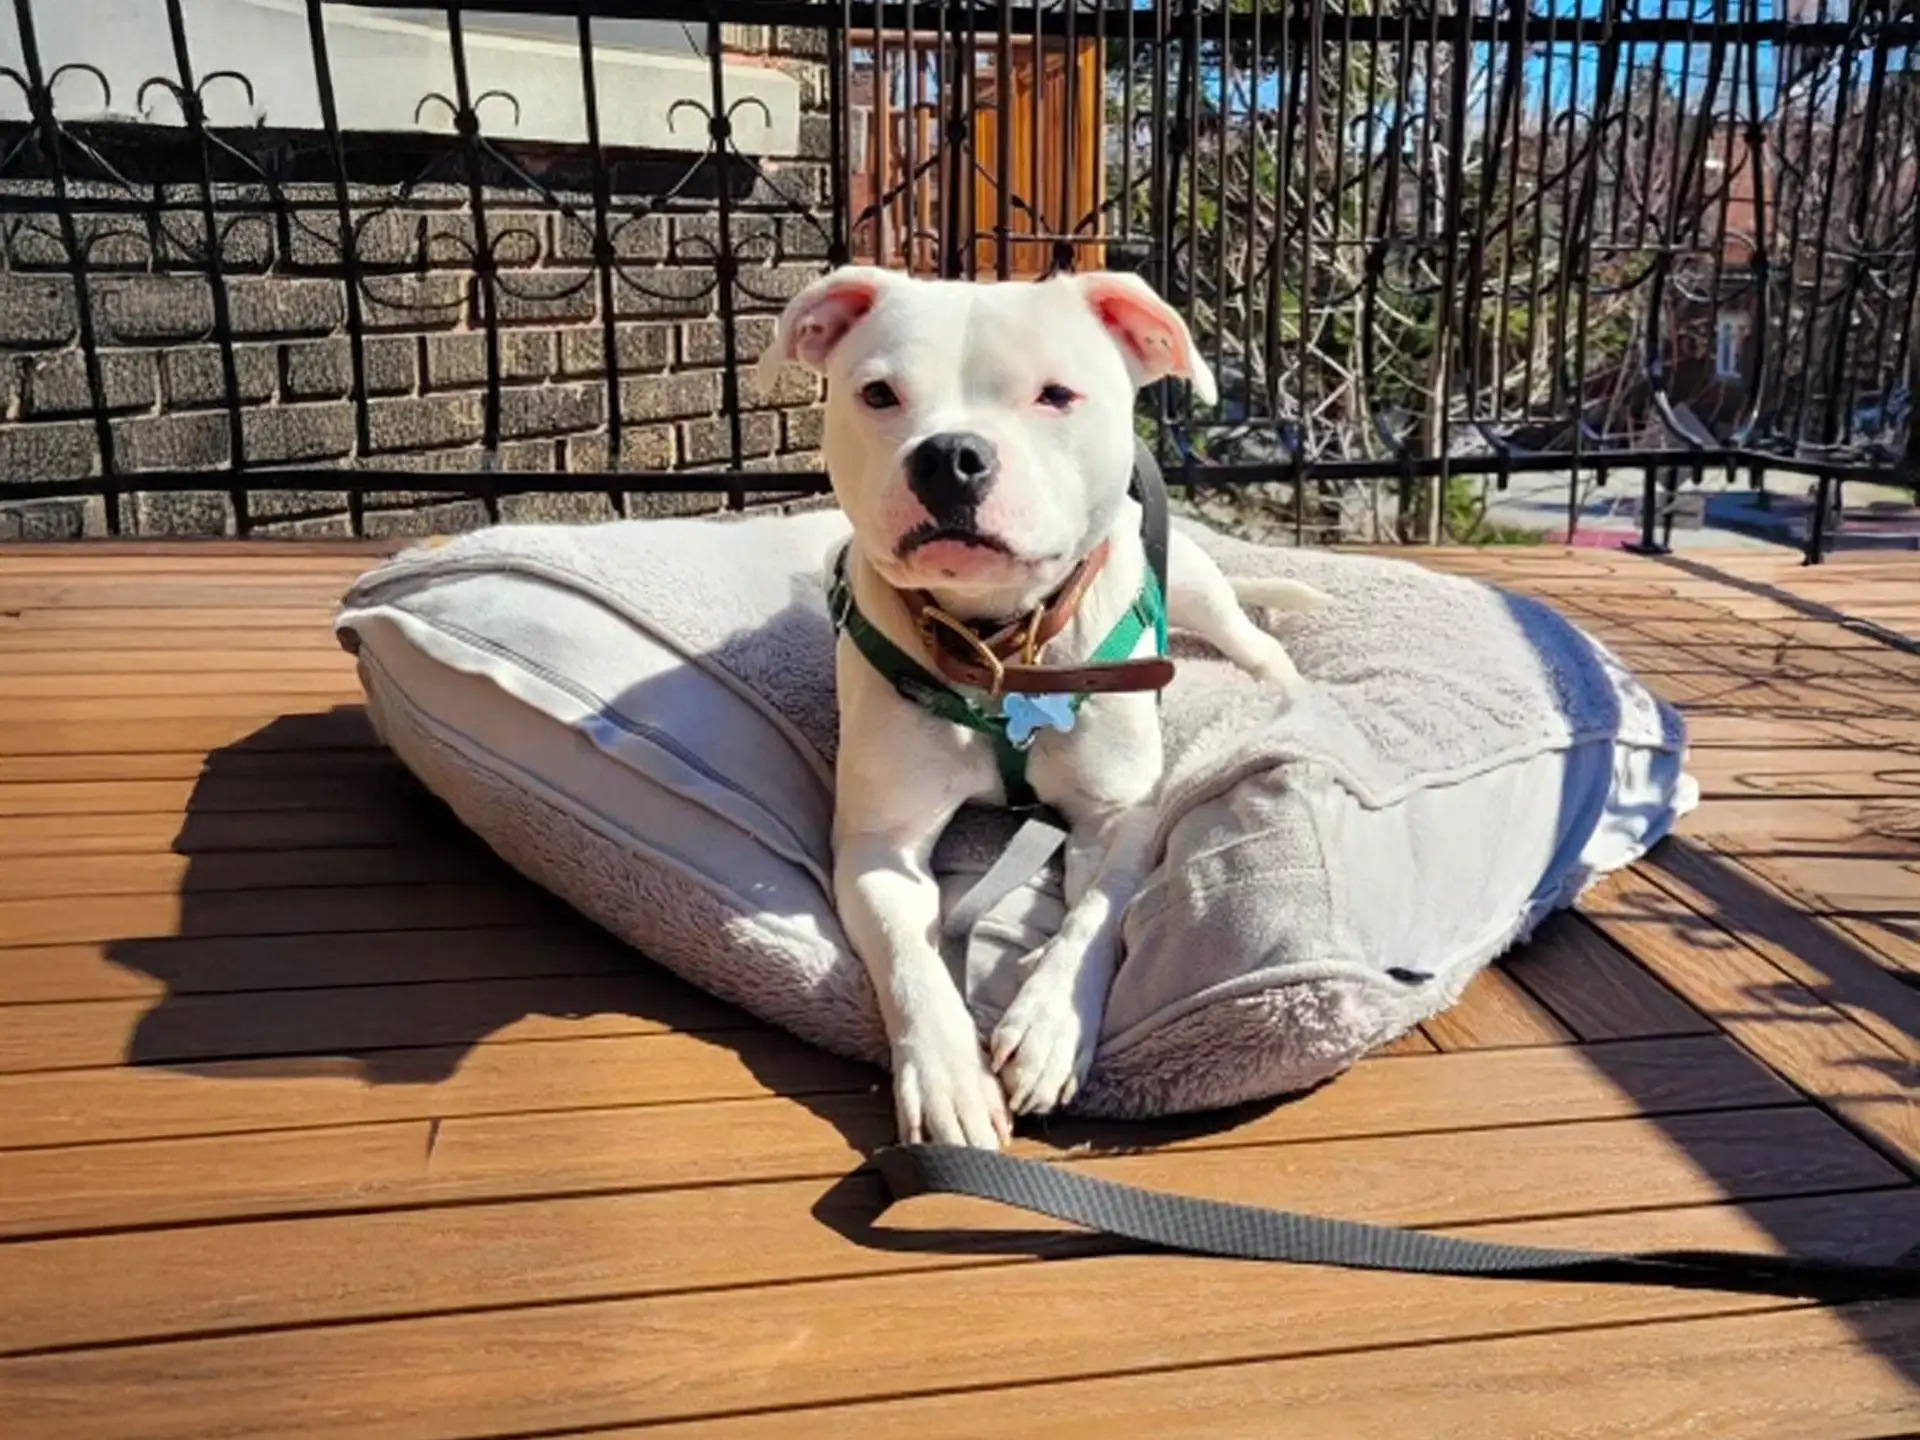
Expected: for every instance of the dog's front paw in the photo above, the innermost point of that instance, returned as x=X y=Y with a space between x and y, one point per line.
x=1043 y=1046
x=942 y=1089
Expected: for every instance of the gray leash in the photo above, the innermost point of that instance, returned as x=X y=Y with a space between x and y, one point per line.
x=1156 y=1220
x=1027 y=854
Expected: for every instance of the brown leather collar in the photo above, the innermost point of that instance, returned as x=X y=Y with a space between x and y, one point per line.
x=1007 y=659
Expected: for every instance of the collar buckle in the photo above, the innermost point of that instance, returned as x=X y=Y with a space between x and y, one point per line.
x=933 y=616
x=1030 y=642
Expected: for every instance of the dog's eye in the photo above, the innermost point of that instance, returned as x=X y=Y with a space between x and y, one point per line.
x=878 y=395
x=1057 y=397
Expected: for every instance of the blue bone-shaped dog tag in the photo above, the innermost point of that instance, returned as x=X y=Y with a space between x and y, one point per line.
x=1027 y=714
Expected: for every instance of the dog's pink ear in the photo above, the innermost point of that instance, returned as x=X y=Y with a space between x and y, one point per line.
x=819 y=317
x=1152 y=337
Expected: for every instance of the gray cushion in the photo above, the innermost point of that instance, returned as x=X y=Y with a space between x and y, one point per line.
x=640 y=717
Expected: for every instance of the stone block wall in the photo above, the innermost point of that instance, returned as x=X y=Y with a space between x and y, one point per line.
x=166 y=403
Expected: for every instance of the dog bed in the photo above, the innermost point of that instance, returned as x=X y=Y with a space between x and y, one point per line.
x=639 y=717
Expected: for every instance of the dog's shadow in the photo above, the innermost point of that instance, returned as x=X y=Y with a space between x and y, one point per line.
x=335 y=919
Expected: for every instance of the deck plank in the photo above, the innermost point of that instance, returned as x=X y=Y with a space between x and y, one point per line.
x=81 y=594
x=1414 y=1042
x=65 y=626
x=353 y=781
x=198 y=765
x=1496 y=1010
x=1896 y=941
x=1595 y=989
x=132 y=647
x=354 y=1020
x=219 y=702
x=90 y=667
x=176 y=967
x=286 y=911
x=66 y=696
x=210 y=872
x=345 y=728
x=1762 y=825
x=1820 y=772
x=147 y=836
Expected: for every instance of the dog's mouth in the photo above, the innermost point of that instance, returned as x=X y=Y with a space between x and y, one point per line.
x=930 y=533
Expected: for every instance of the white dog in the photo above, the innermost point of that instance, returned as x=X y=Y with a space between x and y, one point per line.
x=980 y=440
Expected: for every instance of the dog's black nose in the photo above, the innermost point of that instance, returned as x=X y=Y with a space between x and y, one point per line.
x=952 y=473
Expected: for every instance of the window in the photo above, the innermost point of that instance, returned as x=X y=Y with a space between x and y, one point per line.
x=1730 y=346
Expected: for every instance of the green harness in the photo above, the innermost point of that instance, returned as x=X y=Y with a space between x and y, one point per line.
x=922 y=687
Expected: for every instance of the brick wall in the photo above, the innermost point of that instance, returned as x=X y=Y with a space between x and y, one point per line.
x=165 y=393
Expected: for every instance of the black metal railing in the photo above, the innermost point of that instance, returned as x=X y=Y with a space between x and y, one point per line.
x=1421 y=246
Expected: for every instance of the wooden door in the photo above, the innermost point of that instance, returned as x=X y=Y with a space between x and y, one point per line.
x=1049 y=170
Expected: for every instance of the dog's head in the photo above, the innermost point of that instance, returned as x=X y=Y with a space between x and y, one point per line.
x=980 y=437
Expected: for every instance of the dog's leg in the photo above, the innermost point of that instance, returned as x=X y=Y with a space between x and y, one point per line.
x=890 y=905
x=1043 y=1046
x=901 y=778
x=1201 y=599
x=1103 y=782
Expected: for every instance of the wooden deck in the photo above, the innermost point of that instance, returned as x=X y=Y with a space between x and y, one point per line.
x=316 y=1121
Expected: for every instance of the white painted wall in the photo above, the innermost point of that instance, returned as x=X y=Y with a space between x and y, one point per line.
x=385 y=63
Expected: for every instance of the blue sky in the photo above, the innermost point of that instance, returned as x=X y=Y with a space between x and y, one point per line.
x=1567 y=76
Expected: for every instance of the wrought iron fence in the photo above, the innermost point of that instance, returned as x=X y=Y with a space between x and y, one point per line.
x=1421 y=244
